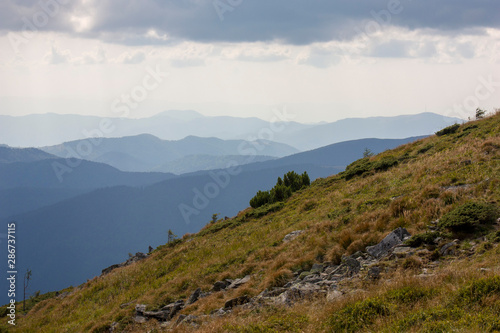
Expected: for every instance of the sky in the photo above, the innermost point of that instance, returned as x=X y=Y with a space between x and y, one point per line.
x=322 y=60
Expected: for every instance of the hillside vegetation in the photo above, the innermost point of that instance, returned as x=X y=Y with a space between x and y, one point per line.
x=412 y=186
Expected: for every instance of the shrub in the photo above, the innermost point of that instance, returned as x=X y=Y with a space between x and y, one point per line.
x=448 y=130
x=469 y=216
x=424 y=238
x=385 y=163
x=283 y=189
x=260 y=199
x=357 y=168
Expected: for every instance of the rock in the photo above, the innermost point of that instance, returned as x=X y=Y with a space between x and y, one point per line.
x=165 y=313
x=113 y=326
x=140 y=319
x=333 y=295
x=388 y=243
x=304 y=275
x=183 y=319
x=374 y=272
x=194 y=296
x=236 y=301
x=238 y=282
x=317 y=268
x=402 y=251
x=292 y=235
x=221 y=285
x=331 y=269
x=353 y=265
x=138 y=256
x=449 y=248
x=140 y=308
x=124 y=305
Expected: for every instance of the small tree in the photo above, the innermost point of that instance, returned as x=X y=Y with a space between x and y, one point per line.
x=367 y=153
x=214 y=218
x=171 y=236
x=480 y=113
x=27 y=278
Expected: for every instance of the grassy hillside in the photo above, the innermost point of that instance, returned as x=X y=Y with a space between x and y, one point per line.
x=411 y=186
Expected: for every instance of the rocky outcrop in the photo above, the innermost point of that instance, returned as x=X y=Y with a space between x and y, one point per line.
x=388 y=243
x=292 y=235
x=137 y=257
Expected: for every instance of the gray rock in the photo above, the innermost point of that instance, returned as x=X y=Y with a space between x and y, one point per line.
x=388 y=243
x=238 y=282
x=449 y=248
x=352 y=265
x=317 y=268
x=402 y=251
x=333 y=295
x=292 y=235
x=236 y=301
x=140 y=319
x=374 y=272
x=221 y=285
x=194 y=296
x=165 y=313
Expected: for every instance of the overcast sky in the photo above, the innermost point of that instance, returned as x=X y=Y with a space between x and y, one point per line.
x=321 y=59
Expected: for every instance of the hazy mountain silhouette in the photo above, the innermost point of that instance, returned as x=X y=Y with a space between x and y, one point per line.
x=146 y=152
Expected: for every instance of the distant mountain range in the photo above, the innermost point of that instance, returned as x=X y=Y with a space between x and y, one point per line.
x=146 y=152
x=53 y=129
x=86 y=232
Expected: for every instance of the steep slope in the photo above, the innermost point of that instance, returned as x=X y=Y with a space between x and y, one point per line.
x=410 y=186
x=145 y=152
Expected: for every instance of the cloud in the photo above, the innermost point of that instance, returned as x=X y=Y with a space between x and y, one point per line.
x=134 y=58
x=297 y=22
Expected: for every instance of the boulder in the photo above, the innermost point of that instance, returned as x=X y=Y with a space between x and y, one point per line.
x=221 y=285
x=194 y=296
x=388 y=243
x=236 y=301
x=165 y=313
x=292 y=235
x=449 y=249
x=238 y=282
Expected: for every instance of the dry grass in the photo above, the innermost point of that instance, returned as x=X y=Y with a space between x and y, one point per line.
x=338 y=217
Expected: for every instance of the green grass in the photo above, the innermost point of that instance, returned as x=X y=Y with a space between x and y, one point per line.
x=341 y=214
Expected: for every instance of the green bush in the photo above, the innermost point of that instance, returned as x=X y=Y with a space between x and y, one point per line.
x=357 y=168
x=264 y=210
x=448 y=130
x=469 y=216
x=385 y=163
x=260 y=199
x=283 y=189
x=421 y=239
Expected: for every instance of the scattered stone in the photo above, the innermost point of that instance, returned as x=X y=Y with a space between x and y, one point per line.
x=236 y=301
x=374 y=272
x=124 y=305
x=113 y=326
x=137 y=257
x=140 y=319
x=238 y=282
x=194 y=296
x=353 y=265
x=304 y=275
x=402 y=251
x=189 y=319
x=221 y=285
x=292 y=235
x=317 y=268
x=388 y=243
x=333 y=295
x=449 y=248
